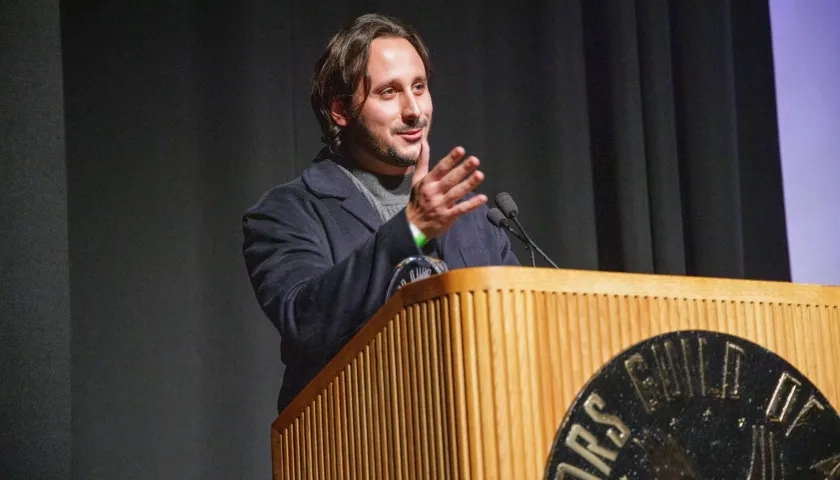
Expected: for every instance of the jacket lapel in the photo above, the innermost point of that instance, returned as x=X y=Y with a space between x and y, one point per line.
x=358 y=206
x=326 y=180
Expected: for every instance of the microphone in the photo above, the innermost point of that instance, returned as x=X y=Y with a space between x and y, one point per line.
x=499 y=219
x=508 y=208
x=414 y=268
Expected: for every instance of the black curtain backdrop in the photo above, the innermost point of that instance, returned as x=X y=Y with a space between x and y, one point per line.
x=35 y=435
x=635 y=136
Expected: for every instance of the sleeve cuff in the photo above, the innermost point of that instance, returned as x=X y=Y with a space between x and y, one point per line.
x=420 y=239
x=399 y=240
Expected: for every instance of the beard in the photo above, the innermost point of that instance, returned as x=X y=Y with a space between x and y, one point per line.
x=378 y=147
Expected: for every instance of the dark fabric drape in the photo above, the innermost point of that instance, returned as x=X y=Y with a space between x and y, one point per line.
x=685 y=157
x=635 y=136
x=35 y=430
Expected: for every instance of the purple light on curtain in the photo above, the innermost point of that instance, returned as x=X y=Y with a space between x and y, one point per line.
x=806 y=52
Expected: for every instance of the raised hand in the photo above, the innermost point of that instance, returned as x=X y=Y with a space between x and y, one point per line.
x=433 y=205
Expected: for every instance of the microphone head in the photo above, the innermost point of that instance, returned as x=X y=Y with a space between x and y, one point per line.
x=497 y=218
x=506 y=204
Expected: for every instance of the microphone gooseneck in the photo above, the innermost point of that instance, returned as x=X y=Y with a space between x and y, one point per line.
x=497 y=218
x=509 y=209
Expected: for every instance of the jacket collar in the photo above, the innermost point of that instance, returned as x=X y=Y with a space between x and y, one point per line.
x=325 y=179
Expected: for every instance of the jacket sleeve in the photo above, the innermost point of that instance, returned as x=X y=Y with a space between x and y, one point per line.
x=495 y=237
x=505 y=248
x=317 y=304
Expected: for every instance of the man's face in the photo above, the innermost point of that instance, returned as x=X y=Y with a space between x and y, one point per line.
x=396 y=116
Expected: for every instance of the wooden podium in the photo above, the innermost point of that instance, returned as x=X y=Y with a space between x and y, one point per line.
x=470 y=373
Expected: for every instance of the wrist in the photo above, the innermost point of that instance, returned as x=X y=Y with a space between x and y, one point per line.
x=420 y=239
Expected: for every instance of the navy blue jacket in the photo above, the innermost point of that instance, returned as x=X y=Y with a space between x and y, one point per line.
x=320 y=260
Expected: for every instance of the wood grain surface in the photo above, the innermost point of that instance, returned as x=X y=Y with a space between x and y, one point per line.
x=470 y=373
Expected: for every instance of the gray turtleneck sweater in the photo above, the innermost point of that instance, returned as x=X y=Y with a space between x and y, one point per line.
x=388 y=194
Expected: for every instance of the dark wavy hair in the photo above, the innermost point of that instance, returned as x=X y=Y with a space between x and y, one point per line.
x=342 y=67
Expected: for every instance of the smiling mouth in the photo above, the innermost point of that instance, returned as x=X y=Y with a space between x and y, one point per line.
x=412 y=136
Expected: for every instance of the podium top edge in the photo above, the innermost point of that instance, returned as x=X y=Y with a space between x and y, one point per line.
x=583 y=282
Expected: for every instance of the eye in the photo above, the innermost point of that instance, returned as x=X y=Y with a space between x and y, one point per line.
x=419 y=87
x=387 y=92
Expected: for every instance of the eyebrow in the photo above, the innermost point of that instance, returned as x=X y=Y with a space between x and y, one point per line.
x=391 y=81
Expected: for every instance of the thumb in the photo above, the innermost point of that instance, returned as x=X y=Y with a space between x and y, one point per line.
x=422 y=166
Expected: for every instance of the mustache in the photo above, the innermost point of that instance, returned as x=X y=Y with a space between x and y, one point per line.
x=418 y=124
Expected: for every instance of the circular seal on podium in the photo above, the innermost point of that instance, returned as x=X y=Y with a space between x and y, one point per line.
x=413 y=269
x=697 y=405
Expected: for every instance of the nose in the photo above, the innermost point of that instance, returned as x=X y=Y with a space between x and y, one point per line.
x=410 y=108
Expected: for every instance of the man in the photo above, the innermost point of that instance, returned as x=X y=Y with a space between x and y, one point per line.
x=321 y=249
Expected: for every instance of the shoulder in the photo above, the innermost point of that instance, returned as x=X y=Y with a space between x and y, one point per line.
x=476 y=220
x=281 y=197
x=321 y=179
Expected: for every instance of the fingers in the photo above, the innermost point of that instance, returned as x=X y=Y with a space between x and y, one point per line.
x=457 y=174
x=445 y=165
x=466 y=186
x=421 y=169
x=458 y=180
x=435 y=203
x=468 y=205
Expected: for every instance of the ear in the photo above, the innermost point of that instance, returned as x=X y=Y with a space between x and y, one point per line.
x=338 y=112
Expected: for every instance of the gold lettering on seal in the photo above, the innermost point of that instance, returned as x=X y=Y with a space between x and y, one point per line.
x=669 y=374
x=733 y=362
x=643 y=378
x=675 y=372
x=764 y=463
x=787 y=389
x=830 y=467
x=805 y=414
x=620 y=434
x=591 y=452
x=565 y=469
